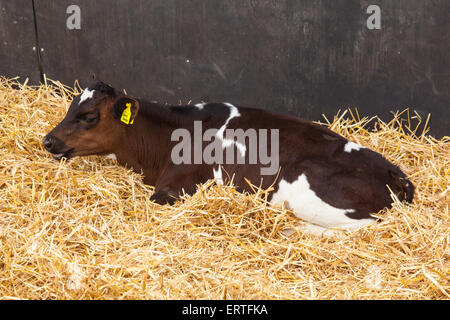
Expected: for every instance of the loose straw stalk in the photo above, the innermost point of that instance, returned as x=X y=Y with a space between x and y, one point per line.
x=86 y=229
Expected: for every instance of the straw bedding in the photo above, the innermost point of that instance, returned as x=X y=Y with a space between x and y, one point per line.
x=86 y=229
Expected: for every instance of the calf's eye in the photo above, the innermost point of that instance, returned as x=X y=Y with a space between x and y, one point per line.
x=88 y=118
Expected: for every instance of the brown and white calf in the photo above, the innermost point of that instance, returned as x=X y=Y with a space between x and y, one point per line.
x=324 y=178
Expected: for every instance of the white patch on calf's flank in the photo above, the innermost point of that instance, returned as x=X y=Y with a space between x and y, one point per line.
x=242 y=148
x=112 y=156
x=308 y=206
x=200 y=105
x=349 y=146
x=314 y=229
x=218 y=175
x=234 y=113
x=86 y=95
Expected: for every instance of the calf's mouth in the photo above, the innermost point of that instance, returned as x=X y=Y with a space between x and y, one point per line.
x=66 y=154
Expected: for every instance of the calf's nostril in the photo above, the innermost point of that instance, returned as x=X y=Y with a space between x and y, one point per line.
x=48 y=143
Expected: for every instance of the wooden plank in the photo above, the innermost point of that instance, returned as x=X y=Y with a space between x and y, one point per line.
x=17 y=40
x=299 y=57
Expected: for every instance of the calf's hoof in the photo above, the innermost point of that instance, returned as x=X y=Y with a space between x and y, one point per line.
x=163 y=197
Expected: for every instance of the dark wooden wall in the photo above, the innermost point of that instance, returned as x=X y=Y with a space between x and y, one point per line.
x=301 y=57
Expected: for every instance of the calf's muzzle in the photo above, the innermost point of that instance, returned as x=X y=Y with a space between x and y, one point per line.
x=56 y=146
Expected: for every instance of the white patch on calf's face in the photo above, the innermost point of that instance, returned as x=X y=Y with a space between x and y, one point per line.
x=349 y=146
x=308 y=206
x=86 y=95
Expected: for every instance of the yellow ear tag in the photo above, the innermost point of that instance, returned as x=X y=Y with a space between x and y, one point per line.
x=126 y=114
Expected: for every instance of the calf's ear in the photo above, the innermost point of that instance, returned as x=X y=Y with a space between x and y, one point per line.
x=125 y=110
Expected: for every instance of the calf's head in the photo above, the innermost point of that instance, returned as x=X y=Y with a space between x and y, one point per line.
x=94 y=123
